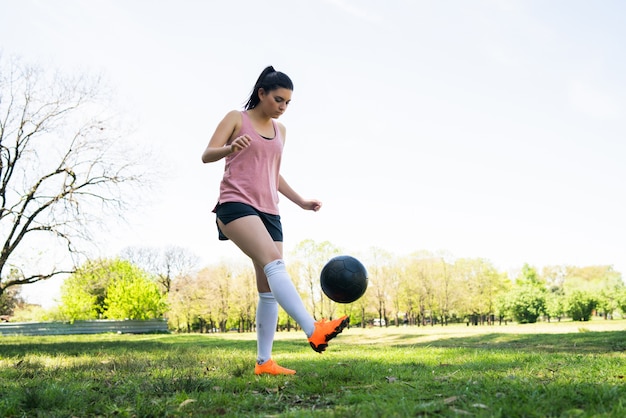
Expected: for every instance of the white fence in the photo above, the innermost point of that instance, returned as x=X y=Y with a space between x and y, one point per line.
x=84 y=327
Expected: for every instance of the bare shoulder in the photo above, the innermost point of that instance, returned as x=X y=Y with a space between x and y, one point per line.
x=233 y=117
x=283 y=130
x=231 y=124
x=226 y=129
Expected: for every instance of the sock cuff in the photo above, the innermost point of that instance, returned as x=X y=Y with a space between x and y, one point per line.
x=267 y=297
x=274 y=266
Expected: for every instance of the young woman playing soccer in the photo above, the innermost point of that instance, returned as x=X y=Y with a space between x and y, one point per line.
x=251 y=142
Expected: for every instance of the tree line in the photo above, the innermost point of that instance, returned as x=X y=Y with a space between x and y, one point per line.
x=422 y=288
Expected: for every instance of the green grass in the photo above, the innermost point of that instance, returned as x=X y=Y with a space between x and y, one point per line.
x=558 y=370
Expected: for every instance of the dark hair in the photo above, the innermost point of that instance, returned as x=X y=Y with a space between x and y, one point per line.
x=269 y=80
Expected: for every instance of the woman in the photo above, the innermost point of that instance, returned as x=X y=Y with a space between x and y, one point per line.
x=251 y=141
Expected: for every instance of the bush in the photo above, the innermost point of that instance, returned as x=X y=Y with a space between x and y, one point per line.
x=527 y=303
x=580 y=305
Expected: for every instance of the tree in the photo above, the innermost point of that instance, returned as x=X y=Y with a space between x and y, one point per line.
x=555 y=305
x=134 y=296
x=430 y=272
x=555 y=277
x=83 y=293
x=529 y=277
x=621 y=301
x=603 y=282
x=408 y=290
x=309 y=257
x=527 y=300
x=216 y=285
x=167 y=264
x=185 y=303
x=580 y=305
x=61 y=169
x=481 y=284
x=527 y=304
x=447 y=292
x=381 y=282
x=111 y=289
x=10 y=300
x=244 y=300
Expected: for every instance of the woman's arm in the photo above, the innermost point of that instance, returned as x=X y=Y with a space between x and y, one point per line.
x=222 y=142
x=286 y=190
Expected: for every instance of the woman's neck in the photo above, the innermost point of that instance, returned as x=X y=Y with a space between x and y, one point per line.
x=259 y=116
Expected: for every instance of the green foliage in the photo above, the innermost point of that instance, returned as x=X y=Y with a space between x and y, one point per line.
x=78 y=304
x=593 y=278
x=419 y=289
x=529 y=277
x=580 y=305
x=113 y=289
x=621 y=301
x=216 y=298
x=527 y=303
x=134 y=297
x=9 y=300
x=555 y=305
x=481 y=285
x=83 y=292
x=36 y=313
x=607 y=301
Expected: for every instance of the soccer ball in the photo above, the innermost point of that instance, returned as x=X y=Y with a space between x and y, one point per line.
x=344 y=279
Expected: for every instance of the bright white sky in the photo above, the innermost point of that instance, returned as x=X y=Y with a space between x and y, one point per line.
x=492 y=129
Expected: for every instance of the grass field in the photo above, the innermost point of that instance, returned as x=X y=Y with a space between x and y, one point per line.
x=547 y=370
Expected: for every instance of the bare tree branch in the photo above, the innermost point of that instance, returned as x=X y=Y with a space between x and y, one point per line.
x=166 y=264
x=62 y=167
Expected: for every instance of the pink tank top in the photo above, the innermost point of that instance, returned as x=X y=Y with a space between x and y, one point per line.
x=251 y=175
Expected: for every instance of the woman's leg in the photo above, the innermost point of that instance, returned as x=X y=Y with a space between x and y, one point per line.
x=266 y=321
x=251 y=236
x=266 y=317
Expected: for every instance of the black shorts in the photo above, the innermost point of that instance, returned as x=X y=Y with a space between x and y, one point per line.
x=229 y=211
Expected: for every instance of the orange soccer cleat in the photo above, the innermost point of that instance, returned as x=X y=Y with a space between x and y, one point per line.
x=326 y=331
x=270 y=367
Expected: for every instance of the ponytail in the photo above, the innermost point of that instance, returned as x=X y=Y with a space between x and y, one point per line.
x=269 y=80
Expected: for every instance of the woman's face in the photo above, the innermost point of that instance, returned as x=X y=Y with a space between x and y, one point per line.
x=275 y=102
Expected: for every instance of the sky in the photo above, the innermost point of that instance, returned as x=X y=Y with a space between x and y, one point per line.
x=483 y=129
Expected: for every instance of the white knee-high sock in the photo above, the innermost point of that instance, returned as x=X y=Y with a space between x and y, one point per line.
x=266 y=320
x=287 y=296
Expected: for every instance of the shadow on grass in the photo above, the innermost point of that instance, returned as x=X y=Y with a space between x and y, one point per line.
x=111 y=343
x=587 y=342
x=581 y=342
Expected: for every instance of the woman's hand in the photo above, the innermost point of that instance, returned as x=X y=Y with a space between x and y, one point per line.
x=311 y=204
x=240 y=143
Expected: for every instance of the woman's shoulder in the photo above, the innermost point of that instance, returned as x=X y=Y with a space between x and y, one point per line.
x=283 y=130
x=234 y=119
x=234 y=115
